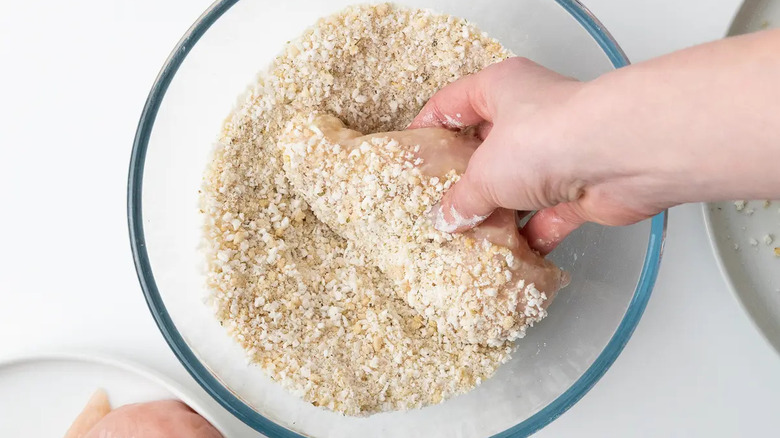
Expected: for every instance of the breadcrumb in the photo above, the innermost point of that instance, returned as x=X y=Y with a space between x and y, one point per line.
x=307 y=305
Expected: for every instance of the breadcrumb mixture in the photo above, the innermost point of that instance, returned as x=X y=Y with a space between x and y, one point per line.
x=306 y=304
x=377 y=191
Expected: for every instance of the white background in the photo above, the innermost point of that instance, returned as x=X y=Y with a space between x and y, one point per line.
x=73 y=79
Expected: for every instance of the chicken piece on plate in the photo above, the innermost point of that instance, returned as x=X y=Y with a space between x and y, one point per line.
x=157 y=419
x=484 y=286
x=97 y=407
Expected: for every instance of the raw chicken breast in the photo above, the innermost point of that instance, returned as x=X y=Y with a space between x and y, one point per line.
x=158 y=419
x=97 y=407
x=485 y=286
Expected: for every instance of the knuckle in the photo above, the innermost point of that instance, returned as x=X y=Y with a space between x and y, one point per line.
x=500 y=79
x=572 y=213
x=606 y=209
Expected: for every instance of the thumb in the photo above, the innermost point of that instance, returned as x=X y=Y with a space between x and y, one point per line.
x=467 y=203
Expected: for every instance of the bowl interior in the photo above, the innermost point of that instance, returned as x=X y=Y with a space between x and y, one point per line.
x=553 y=366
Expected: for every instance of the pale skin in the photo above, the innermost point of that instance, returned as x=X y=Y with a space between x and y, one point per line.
x=701 y=124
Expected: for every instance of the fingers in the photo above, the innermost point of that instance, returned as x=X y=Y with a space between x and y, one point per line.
x=469 y=201
x=505 y=93
x=459 y=104
x=549 y=226
x=477 y=98
x=470 y=100
x=461 y=208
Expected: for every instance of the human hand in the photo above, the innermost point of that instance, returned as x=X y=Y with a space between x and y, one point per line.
x=528 y=160
x=156 y=419
x=696 y=125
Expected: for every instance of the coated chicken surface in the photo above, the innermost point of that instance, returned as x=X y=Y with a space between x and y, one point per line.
x=485 y=286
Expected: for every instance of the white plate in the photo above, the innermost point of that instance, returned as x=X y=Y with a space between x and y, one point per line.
x=40 y=396
x=756 y=15
x=752 y=271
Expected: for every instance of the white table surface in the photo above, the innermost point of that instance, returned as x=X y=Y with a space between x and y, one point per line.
x=73 y=78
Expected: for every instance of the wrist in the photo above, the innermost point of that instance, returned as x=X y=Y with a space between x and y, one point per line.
x=616 y=132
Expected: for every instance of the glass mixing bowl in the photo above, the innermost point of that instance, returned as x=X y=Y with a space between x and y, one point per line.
x=613 y=269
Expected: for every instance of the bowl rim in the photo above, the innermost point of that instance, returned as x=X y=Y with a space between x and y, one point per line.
x=230 y=401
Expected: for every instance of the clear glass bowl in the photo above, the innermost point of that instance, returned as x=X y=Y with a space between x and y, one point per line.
x=613 y=269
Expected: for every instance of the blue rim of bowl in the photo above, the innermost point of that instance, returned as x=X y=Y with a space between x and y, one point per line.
x=229 y=400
